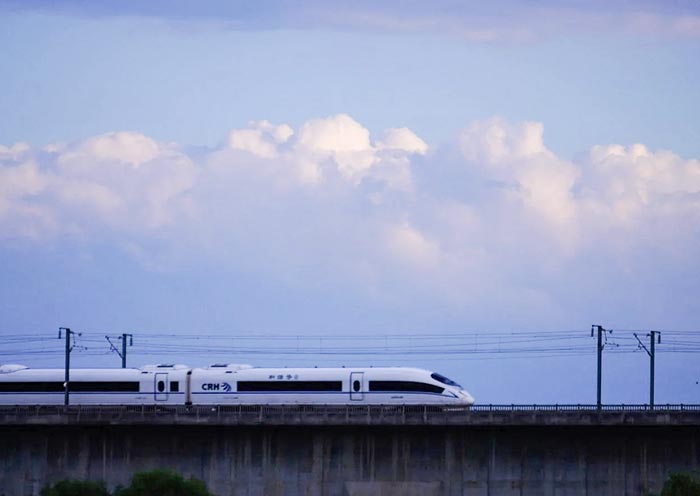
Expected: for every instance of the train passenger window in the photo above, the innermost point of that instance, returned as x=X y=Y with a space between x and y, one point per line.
x=174 y=387
x=104 y=387
x=161 y=386
x=290 y=385
x=356 y=386
x=76 y=387
x=404 y=386
x=32 y=387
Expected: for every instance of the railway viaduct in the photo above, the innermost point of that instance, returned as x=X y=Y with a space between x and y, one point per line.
x=299 y=450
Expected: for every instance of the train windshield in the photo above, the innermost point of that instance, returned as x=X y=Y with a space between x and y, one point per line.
x=444 y=380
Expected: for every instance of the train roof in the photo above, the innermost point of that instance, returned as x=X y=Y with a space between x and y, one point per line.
x=164 y=367
x=227 y=367
x=13 y=368
x=238 y=367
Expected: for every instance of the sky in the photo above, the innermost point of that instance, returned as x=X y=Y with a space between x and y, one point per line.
x=458 y=187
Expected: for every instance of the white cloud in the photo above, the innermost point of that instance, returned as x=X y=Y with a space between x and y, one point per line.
x=495 y=142
x=128 y=147
x=506 y=220
x=341 y=139
x=21 y=211
x=328 y=147
x=94 y=197
x=338 y=134
x=260 y=139
x=124 y=181
x=634 y=197
x=618 y=171
x=23 y=179
x=402 y=139
x=505 y=20
x=516 y=156
x=13 y=152
x=412 y=248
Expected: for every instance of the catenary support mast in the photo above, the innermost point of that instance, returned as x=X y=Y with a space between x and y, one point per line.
x=654 y=339
x=601 y=345
x=131 y=343
x=69 y=348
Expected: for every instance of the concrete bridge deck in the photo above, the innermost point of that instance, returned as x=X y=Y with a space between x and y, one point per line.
x=487 y=450
x=339 y=415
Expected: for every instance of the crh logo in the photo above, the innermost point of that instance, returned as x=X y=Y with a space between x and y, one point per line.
x=224 y=387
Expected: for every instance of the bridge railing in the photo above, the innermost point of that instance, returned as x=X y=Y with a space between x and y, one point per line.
x=588 y=408
x=328 y=412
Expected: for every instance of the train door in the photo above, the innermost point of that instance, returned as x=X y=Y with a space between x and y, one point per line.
x=357 y=386
x=161 y=387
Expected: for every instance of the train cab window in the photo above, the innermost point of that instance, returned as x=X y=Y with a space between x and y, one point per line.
x=161 y=386
x=174 y=387
x=356 y=386
x=444 y=380
x=404 y=386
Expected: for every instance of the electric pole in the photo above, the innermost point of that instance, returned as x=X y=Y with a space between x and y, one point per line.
x=121 y=354
x=131 y=343
x=69 y=348
x=601 y=345
x=654 y=338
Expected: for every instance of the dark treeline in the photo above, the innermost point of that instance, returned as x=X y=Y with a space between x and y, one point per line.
x=682 y=484
x=151 y=483
x=168 y=483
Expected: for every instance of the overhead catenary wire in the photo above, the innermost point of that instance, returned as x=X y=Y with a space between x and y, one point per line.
x=473 y=345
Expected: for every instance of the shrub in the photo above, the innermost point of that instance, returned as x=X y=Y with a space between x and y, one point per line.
x=682 y=484
x=75 y=488
x=163 y=483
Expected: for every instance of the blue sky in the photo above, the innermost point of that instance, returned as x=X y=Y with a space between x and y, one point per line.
x=362 y=168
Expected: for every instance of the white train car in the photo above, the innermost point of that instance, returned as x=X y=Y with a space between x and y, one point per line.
x=152 y=384
x=232 y=384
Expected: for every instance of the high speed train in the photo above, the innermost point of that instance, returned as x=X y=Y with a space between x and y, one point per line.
x=230 y=384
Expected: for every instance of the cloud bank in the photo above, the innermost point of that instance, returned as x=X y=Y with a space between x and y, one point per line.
x=493 y=219
x=475 y=22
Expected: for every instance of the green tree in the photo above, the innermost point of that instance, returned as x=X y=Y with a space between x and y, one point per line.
x=163 y=483
x=682 y=484
x=75 y=488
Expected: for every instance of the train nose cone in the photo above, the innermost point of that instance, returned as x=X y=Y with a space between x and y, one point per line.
x=467 y=398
